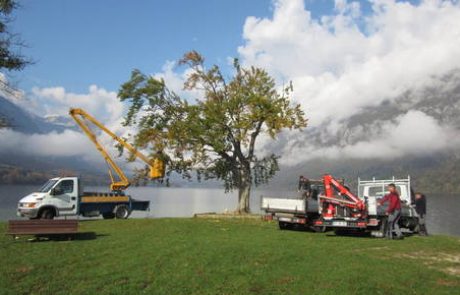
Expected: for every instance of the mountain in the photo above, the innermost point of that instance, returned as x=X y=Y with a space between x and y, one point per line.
x=431 y=151
x=18 y=119
x=32 y=168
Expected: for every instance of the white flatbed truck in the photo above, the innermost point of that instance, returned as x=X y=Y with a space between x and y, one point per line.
x=294 y=211
x=64 y=197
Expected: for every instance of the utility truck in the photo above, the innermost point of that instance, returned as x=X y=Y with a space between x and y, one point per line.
x=330 y=204
x=346 y=212
x=64 y=196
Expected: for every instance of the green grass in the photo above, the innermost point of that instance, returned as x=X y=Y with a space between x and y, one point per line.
x=225 y=256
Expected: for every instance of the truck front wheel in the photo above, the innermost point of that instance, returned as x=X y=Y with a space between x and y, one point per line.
x=47 y=214
x=122 y=212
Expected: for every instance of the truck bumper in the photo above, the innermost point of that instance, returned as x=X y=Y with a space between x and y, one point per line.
x=297 y=220
x=30 y=213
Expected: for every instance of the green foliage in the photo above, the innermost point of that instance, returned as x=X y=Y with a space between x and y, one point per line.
x=216 y=135
x=10 y=58
x=218 y=256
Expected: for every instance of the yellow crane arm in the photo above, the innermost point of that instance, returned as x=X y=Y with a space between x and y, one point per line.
x=157 y=167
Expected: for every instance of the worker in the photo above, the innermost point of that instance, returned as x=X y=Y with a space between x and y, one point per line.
x=393 y=212
x=304 y=187
x=420 y=208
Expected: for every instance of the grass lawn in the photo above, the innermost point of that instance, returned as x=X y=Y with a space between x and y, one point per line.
x=225 y=256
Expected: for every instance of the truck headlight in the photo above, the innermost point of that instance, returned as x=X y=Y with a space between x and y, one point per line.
x=30 y=205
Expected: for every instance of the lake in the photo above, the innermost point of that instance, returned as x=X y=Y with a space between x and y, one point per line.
x=442 y=215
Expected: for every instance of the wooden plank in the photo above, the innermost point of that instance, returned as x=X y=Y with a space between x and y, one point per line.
x=38 y=227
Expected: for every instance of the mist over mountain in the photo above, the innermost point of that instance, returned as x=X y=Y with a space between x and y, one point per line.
x=373 y=143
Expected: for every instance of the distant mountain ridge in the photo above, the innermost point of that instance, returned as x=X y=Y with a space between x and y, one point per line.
x=435 y=172
x=20 y=120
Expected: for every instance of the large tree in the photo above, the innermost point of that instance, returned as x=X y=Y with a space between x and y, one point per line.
x=216 y=135
x=10 y=44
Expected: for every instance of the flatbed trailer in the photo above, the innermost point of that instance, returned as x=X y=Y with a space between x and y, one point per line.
x=300 y=211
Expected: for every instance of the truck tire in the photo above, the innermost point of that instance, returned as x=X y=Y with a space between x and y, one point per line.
x=108 y=215
x=122 y=212
x=47 y=213
x=318 y=229
x=284 y=225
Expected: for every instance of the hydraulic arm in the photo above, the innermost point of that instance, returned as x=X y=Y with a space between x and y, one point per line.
x=156 y=165
x=349 y=200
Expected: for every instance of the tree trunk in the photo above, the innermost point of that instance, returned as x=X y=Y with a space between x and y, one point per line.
x=244 y=192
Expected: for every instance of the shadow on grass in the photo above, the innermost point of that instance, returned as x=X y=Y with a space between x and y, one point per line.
x=82 y=236
x=358 y=234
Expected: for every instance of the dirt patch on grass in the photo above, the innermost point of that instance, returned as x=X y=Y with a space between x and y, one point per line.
x=442 y=282
x=437 y=261
x=285 y=280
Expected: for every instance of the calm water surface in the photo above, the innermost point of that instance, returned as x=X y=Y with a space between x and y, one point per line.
x=442 y=217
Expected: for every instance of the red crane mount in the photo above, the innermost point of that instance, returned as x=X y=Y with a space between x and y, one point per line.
x=339 y=203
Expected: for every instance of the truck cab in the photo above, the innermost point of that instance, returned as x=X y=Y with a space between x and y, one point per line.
x=373 y=190
x=57 y=197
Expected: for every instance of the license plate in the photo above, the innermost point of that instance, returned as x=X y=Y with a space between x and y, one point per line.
x=339 y=223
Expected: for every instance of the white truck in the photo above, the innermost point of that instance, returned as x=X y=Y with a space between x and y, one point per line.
x=64 y=197
x=329 y=204
x=345 y=212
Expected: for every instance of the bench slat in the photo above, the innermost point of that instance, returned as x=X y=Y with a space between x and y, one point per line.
x=36 y=227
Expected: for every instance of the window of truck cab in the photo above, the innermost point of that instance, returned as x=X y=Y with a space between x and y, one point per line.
x=66 y=186
x=47 y=186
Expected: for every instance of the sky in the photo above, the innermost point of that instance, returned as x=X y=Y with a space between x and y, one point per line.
x=79 y=43
x=342 y=57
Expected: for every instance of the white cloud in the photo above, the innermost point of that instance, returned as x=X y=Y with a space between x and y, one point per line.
x=346 y=62
x=413 y=133
x=65 y=144
x=99 y=102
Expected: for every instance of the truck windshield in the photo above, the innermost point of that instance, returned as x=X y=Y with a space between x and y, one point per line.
x=47 y=186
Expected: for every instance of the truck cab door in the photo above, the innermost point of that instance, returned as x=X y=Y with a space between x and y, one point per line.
x=65 y=197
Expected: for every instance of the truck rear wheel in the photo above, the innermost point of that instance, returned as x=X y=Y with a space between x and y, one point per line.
x=47 y=214
x=122 y=212
x=284 y=225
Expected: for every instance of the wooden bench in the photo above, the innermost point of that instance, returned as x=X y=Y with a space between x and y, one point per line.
x=42 y=227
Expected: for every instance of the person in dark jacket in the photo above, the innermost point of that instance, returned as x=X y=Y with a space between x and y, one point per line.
x=393 y=212
x=420 y=208
x=304 y=187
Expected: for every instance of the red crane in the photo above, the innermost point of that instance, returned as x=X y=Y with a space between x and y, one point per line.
x=345 y=199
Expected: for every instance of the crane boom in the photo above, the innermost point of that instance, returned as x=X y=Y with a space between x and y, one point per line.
x=157 y=167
